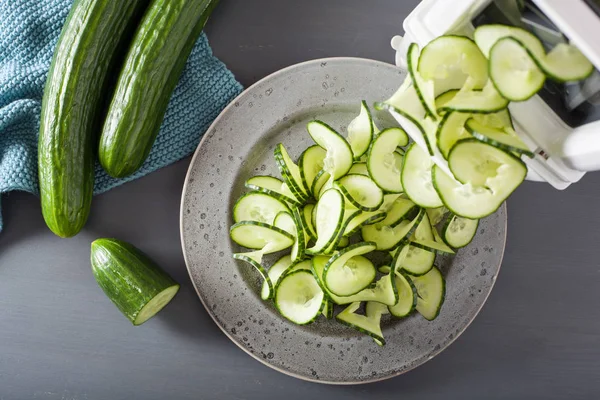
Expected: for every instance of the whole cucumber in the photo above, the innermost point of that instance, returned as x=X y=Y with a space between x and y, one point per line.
x=153 y=65
x=75 y=93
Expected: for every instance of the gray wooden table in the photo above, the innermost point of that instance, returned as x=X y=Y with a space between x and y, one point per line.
x=538 y=337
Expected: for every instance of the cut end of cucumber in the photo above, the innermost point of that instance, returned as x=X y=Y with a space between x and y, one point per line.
x=156 y=304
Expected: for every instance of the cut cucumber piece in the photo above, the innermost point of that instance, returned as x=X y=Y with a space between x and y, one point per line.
x=273 y=187
x=339 y=158
x=259 y=207
x=274 y=273
x=384 y=269
x=444 y=98
x=298 y=297
x=416 y=178
x=513 y=71
x=401 y=209
x=459 y=232
x=432 y=246
x=349 y=215
x=344 y=242
x=479 y=163
x=131 y=280
x=363 y=219
x=369 y=324
x=306 y=215
x=359 y=168
x=484 y=101
x=497 y=138
x=415 y=261
x=360 y=131
x=563 y=63
x=449 y=60
x=290 y=172
x=347 y=273
x=431 y=291
x=383 y=292
x=291 y=224
x=268 y=291
x=257 y=235
x=383 y=163
x=407 y=297
x=476 y=202
x=424 y=88
x=329 y=218
x=386 y=237
x=361 y=192
x=436 y=215
x=320 y=180
x=310 y=164
x=327 y=310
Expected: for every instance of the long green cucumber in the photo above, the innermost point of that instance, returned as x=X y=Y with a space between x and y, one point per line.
x=87 y=52
x=153 y=65
x=134 y=283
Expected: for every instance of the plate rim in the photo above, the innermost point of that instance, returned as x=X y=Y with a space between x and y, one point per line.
x=214 y=319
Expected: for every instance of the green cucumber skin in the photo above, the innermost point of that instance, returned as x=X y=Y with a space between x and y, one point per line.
x=74 y=96
x=151 y=71
x=127 y=276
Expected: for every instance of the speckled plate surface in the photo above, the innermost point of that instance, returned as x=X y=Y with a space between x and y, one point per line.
x=240 y=144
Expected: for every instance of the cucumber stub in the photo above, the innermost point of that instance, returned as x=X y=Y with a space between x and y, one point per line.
x=131 y=280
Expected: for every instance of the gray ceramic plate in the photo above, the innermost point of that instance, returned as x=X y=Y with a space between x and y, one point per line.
x=240 y=144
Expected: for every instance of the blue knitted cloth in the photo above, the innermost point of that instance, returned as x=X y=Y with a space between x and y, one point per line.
x=29 y=30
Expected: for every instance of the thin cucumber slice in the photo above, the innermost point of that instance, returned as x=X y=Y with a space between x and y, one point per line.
x=359 y=168
x=386 y=237
x=476 y=202
x=513 y=71
x=349 y=215
x=275 y=272
x=273 y=187
x=360 y=131
x=383 y=163
x=400 y=210
x=130 y=279
x=261 y=270
x=339 y=158
x=347 y=273
x=329 y=218
x=450 y=60
x=444 y=98
x=344 y=242
x=306 y=215
x=459 y=232
x=563 y=63
x=432 y=246
x=431 y=291
x=497 y=138
x=259 y=207
x=330 y=184
x=413 y=260
x=384 y=269
x=481 y=164
x=363 y=219
x=361 y=192
x=320 y=180
x=327 y=310
x=424 y=88
x=257 y=235
x=424 y=230
x=310 y=163
x=369 y=324
x=436 y=215
x=484 y=101
x=290 y=172
x=416 y=178
x=407 y=297
x=298 y=297
x=384 y=291
x=292 y=225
